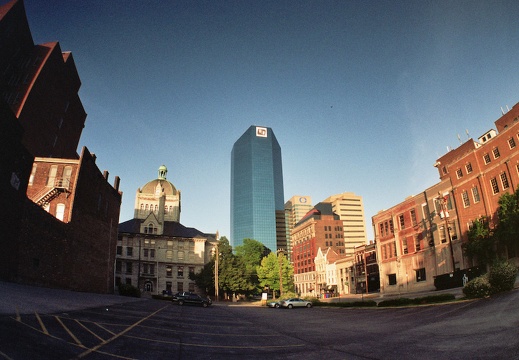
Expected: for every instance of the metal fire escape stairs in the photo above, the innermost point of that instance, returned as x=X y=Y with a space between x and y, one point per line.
x=48 y=193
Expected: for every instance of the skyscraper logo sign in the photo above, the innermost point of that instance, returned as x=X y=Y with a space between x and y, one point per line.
x=261 y=132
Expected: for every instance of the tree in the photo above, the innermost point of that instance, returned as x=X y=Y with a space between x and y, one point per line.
x=269 y=272
x=507 y=230
x=250 y=254
x=205 y=278
x=480 y=244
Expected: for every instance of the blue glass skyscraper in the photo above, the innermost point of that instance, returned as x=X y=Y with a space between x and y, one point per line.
x=257 y=200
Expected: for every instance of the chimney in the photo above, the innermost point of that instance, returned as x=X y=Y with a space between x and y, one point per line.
x=116 y=183
x=105 y=175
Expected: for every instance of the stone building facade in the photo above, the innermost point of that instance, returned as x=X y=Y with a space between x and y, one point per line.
x=155 y=252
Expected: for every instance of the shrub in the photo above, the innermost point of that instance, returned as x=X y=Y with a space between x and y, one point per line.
x=433 y=299
x=395 y=302
x=502 y=277
x=367 y=303
x=129 y=290
x=477 y=288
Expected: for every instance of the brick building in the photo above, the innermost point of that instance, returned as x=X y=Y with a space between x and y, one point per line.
x=421 y=238
x=319 y=228
x=63 y=213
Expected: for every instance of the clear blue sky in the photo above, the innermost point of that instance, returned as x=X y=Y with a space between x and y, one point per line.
x=363 y=96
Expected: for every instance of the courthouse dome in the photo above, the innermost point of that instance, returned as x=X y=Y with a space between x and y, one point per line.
x=161 y=182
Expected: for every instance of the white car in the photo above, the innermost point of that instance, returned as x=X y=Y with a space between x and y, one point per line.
x=295 y=302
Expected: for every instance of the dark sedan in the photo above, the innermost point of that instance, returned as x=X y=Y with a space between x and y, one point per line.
x=191 y=299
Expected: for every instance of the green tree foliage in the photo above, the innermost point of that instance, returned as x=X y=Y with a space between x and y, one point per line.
x=480 y=245
x=250 y=254
x=507 y=230
x=269 y=272
x=205 y=278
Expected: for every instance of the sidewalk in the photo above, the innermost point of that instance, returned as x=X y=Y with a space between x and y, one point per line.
x=24 y=299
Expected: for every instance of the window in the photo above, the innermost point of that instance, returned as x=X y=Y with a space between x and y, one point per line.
x=67 y=174
x=475 y=195
x=119 y=250
x=413 y=217
x=129 y=268
x=468 y=167
x=52 y=175
x=60 y=211
x=504 y=181
x=401 y=220
x=118 y=266
x=152 y=253
x=465 y=198
x=420 y=275
x=404 y=246
x=145 y=252
x=169 y=254
x=180 y=255
x=384 y=252
x=391 y=279
x=459 y=173
x=495 y=151
x=486 y=158
x=169 y=271
x=129 y=251
x=495 y=188
x=417 y=243
x=180 y=272
x=511 y=143
x=33 y=173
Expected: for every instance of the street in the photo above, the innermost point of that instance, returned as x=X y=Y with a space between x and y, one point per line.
x=154 y=329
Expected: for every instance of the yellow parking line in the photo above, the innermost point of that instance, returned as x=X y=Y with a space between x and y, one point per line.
x=105 y=329
x=90 y=331
x=42 y=325
x=95 y=348
x=69 y=332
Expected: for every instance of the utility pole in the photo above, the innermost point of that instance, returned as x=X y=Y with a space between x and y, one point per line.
x=216 y=259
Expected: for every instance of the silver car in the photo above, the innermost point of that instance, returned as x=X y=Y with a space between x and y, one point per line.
x=295 y=302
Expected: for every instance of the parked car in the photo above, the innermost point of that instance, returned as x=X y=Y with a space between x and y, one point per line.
x=191 y=299
x=273 y=304
x=295 y=302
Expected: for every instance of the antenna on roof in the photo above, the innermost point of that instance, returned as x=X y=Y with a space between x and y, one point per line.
x=502 y=111
x=467 y=132
x=507 y=109
x=459 y=139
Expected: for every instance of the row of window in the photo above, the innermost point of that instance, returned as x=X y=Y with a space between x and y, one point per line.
x=419 y=276
x=150 y=253
x=486 y=158
x=148 y=286
x=149 y=269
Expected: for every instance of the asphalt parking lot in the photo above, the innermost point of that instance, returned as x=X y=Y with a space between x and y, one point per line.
x=153 y=329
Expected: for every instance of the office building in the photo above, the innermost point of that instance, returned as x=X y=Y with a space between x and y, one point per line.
x=257 y=203
x=295 y=208
x=350 y=209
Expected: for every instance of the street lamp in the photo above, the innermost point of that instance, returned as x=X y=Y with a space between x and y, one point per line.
x=217 y=256
x=444 y=214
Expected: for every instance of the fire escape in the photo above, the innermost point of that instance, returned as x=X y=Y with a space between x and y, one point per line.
x=46 y=195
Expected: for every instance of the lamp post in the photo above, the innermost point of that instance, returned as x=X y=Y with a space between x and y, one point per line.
x=444 y=214
x=216 y=259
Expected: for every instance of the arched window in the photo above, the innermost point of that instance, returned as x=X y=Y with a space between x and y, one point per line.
x=150 y=228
